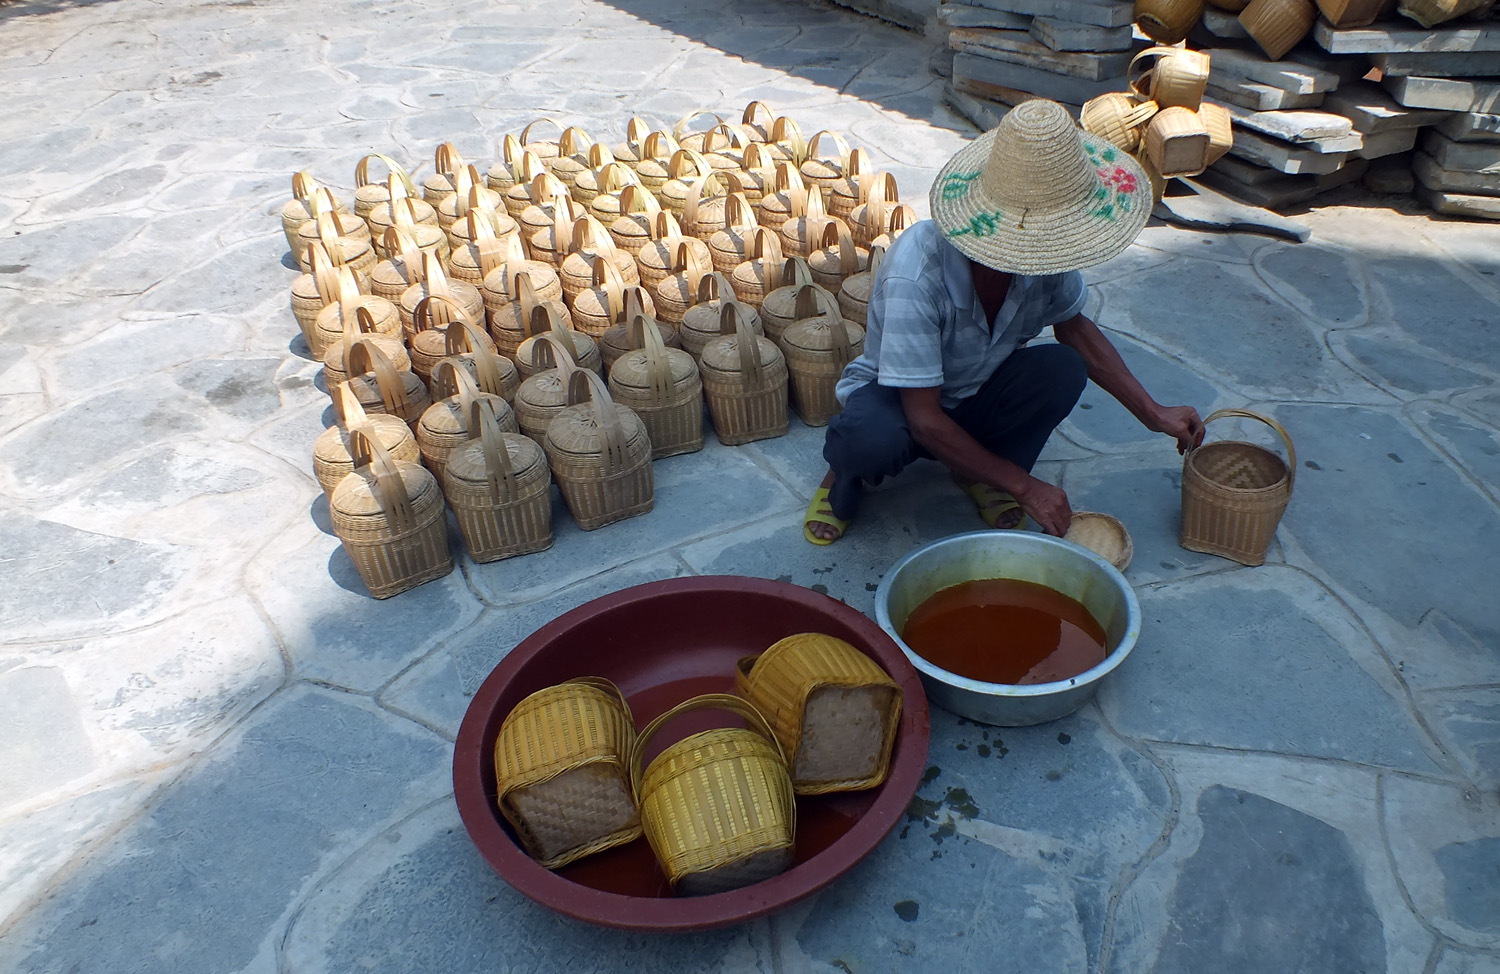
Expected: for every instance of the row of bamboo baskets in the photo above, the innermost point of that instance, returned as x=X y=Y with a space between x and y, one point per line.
x=436 y=313
x=717 y=807
x=1163 y=120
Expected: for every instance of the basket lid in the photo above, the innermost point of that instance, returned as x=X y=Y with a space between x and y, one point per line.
x=820 y=325
x=357 y=495
x=527 y=461
x=332 y=445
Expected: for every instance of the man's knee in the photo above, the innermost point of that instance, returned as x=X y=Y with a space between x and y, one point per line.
x=870 y=438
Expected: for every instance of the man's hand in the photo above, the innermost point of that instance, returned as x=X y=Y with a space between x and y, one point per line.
x=1047 y=505
x=1181 y=423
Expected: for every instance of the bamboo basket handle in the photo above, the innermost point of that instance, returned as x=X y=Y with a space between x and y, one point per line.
x=480 y=224
x=450 y=375
x=395 y=189
x=848 y=253
x=424 y=317
x=720 y=701
x=510 y=151
x=733 y=321
x=486 y=362
x=303 y=184
x=545 y=187
x=681 y=128
x=543 y=318
x=839 y=143
x=711 y=287
x=599 y=156
x=658 y=364
x=550 y=353
x=398 y=241
x=877 y=256
x=900 y=218
x=363 y=323
x=589 y=233
x=695 y=195
x=462 y=336
x=657 y=145
x=753 y=109
x=664 y=226
x=858 y=164
x=364 y=357
x=573 y=141
x=606 y=275
x=320 y=201
x=636 y=131
x=390 y=489
x=432 y=273
x=815 y=208
x=520 y=288
x=765 y=246
x=584 y=385
x=348 y=291
x=446 y=160
x=701 y=166
x=784 y=129
x=1286 y=438
x=325 y=273
x=527 y=167
x=526 y=132
x=349 y=410
x=404 y=213
x=497 y=467
x=796 y=273
x=1132 y=80
x=739 y=213
x=393 y=168
x=754 y=158
x=615 y=177
x=635 y=198
x=635 y=301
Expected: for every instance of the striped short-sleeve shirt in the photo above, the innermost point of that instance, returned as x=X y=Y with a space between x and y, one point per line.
x=927 y=325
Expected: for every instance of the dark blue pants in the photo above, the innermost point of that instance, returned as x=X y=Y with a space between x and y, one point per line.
x=1011 y=415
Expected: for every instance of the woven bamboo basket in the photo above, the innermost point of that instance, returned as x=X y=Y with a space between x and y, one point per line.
x=757 y=173
x=853 y=188
x=1176 y=78
x=750 y=120
x=779 y=309
x=679 y=290
x=629 y=151
x=523 y=177
x=717 y=807
x=544 y=149
x=442 y=328
x=704 y=211
x=1234 y=493
x=785 y=198
x=657 y=258
x=744 y=380
x=854 y=296
x=551 y=318
x=338 y=316
x=695 y=140
x=602 y=304
x=510 y=320
x=370 y=192
x=802 y=234
x=382 y=214
x=332 y=459
x=760 y=272
x=868 y=219
x=817 y=346
x=548 y=195
x=435 y=282
x=728 y=246
x=550 y=244
x=1167 y=21
x=834 y=711
x=444 y=426
x=1102 y=534
x=601 y=170
x=499 y=487
x=382 y=388
x=1118 y=117
x=446 y=162
x=724 y=146
x=389 y=516
x=636 y=225
x=703 y=322
x=318 y=288
x=483 y=240
x=299 y=209
x=824 y=169
x=544 y=394
x=493 y=373
x=685 y=168
x=600 y=455
x=572 y=155
x=414 y=218
x=1177 y=142
x=401 y=268
x=502 y=175
x=897 y=220
x=1278 y=25
x=1220 y=125
x=562 y=771
x=590 y=241
x=1345 y=13
x=606 y=204
x=786 y=143
x=475 y=198
x=349 y=248
x=662 y=386
x=360 y=325
x=657 y=153
x=838 y=259
x=615 y=342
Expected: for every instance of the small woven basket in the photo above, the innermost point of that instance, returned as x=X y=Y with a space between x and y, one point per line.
x=832 y=708
x=360 y=325
x=635 y=226
x=600 y=456
x=332 y=458
x=729 y=245
x=779 y=309
x=786 y=143
x=662 y=386
x=757 y=173
x=657 y=258
x=544 y=394
x=823 y=169
x=1278 y=25
x=401 y=268
x=386 y=390
x=398 y=204
x=679 y=290
x=481 y=242
x=345 y=236
x=802 y=234
x=1105 y=536
x=850 y=191
x=444 y=426
x=629 y=151
x=685 y=168
x=502 y=175
x=615 y=342
x=435 y=283
x=318 y=288
x=703 y=212
x=817 y=347
x=551 y=318
x=695 y=141
x=544 y=149
x=838 y=259
x=717 y=807
x=572 y=155
x=486 y=204
x=389 y=516
x=1118 y=117
x=657 y=152
x=339 y=316
x=603 y=201
x=760 y=272
x=1177 y=142
x=562 y=771
x=589 y=241
x=1167 y=21
x=499 y=488
x=442 y=327
x=370 y=192
x=854 y=296
x=871 y=217
x=1220 y=125
x=413 y=217
x=446 y=162
x=703 y=322
x=785 y=198
x=524 y=174
x=550 y=244
x=603 y=303
x=744 y=380
x=1234 y=493
x=898 y=219
x=749 y=120
x=510 y=297
x=299 y=209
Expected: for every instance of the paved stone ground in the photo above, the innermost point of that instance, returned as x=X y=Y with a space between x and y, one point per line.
x=217 y=754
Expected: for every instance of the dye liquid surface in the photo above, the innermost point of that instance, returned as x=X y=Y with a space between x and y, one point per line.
x=1001 y=630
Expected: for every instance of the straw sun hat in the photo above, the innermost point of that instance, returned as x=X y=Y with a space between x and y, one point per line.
x=1036 y=195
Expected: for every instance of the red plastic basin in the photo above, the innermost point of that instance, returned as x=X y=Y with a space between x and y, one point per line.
x=662 y=643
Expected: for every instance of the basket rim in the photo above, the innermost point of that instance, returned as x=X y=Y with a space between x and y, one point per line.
x=1280 y=483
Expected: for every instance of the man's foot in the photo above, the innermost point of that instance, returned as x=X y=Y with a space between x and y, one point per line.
x=997 y=508
x=821 y=527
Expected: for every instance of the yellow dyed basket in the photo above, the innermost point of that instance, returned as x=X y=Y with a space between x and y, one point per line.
x=562 y=776
x=832 y=708
x=717 y=807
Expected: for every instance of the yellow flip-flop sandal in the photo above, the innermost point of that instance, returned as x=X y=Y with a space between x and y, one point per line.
x=993 y=503
x=820 y=511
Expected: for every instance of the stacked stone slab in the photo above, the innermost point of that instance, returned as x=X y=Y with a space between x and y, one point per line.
x=1006 y=51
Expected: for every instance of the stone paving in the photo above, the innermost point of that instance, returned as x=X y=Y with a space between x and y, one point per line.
x=218 y=754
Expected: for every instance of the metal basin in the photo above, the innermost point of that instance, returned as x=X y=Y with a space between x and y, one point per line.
x=1030 y=557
